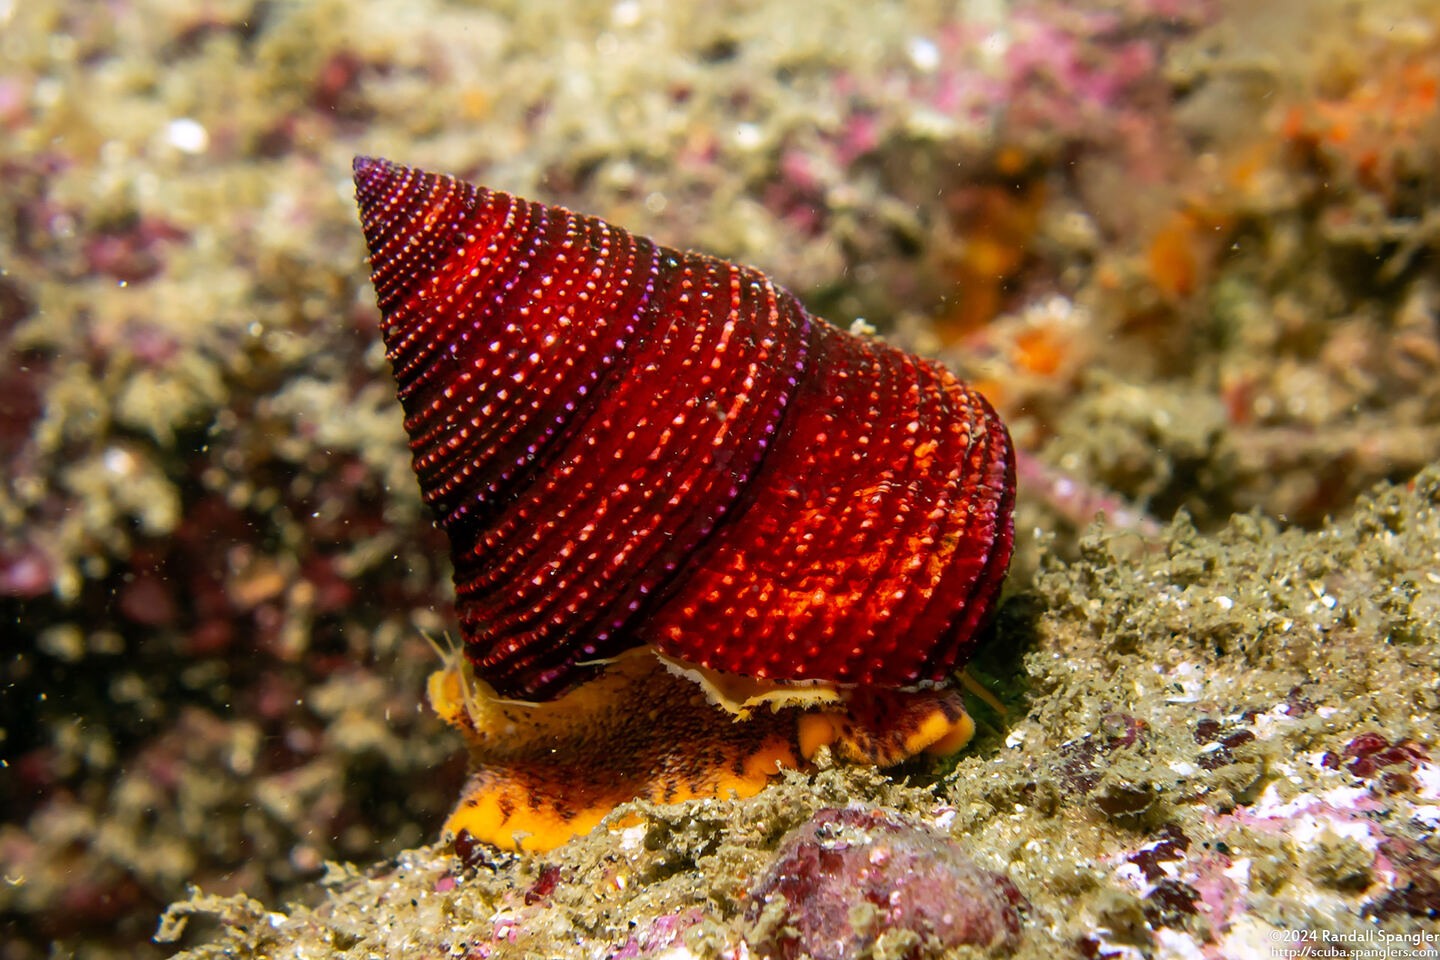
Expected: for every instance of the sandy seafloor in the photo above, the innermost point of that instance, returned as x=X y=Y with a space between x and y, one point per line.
x=1187 y=249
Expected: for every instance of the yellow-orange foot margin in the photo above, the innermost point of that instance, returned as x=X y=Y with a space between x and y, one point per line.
x=543 y=773
x=885 y=727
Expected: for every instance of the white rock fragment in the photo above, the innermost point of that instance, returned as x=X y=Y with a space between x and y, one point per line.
x=187 y=135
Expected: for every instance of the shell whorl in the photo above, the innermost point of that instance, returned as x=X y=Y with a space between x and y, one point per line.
x=629 y=444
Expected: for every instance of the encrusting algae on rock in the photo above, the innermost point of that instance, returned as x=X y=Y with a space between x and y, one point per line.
x=697 y=533
x=1178 y=776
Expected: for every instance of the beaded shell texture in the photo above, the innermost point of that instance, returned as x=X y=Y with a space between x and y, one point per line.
x=630 y=445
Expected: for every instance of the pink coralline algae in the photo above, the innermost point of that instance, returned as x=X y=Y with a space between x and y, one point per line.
x=846 y=878
x=1080 y=767
x=661 y=934
x=1350 y=845
x=1372 y=753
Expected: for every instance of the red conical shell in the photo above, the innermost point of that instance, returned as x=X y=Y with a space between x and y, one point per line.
x=629 y=444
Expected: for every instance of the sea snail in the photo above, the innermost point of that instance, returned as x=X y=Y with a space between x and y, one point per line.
x=697 y=533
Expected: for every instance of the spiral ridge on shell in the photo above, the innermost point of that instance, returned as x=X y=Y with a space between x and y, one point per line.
x=633 y=445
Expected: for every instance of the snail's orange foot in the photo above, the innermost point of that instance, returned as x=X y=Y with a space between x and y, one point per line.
x=885 y=727
x=543 y=773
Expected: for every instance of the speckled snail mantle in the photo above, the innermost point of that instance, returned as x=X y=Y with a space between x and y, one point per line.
x=672 y=495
